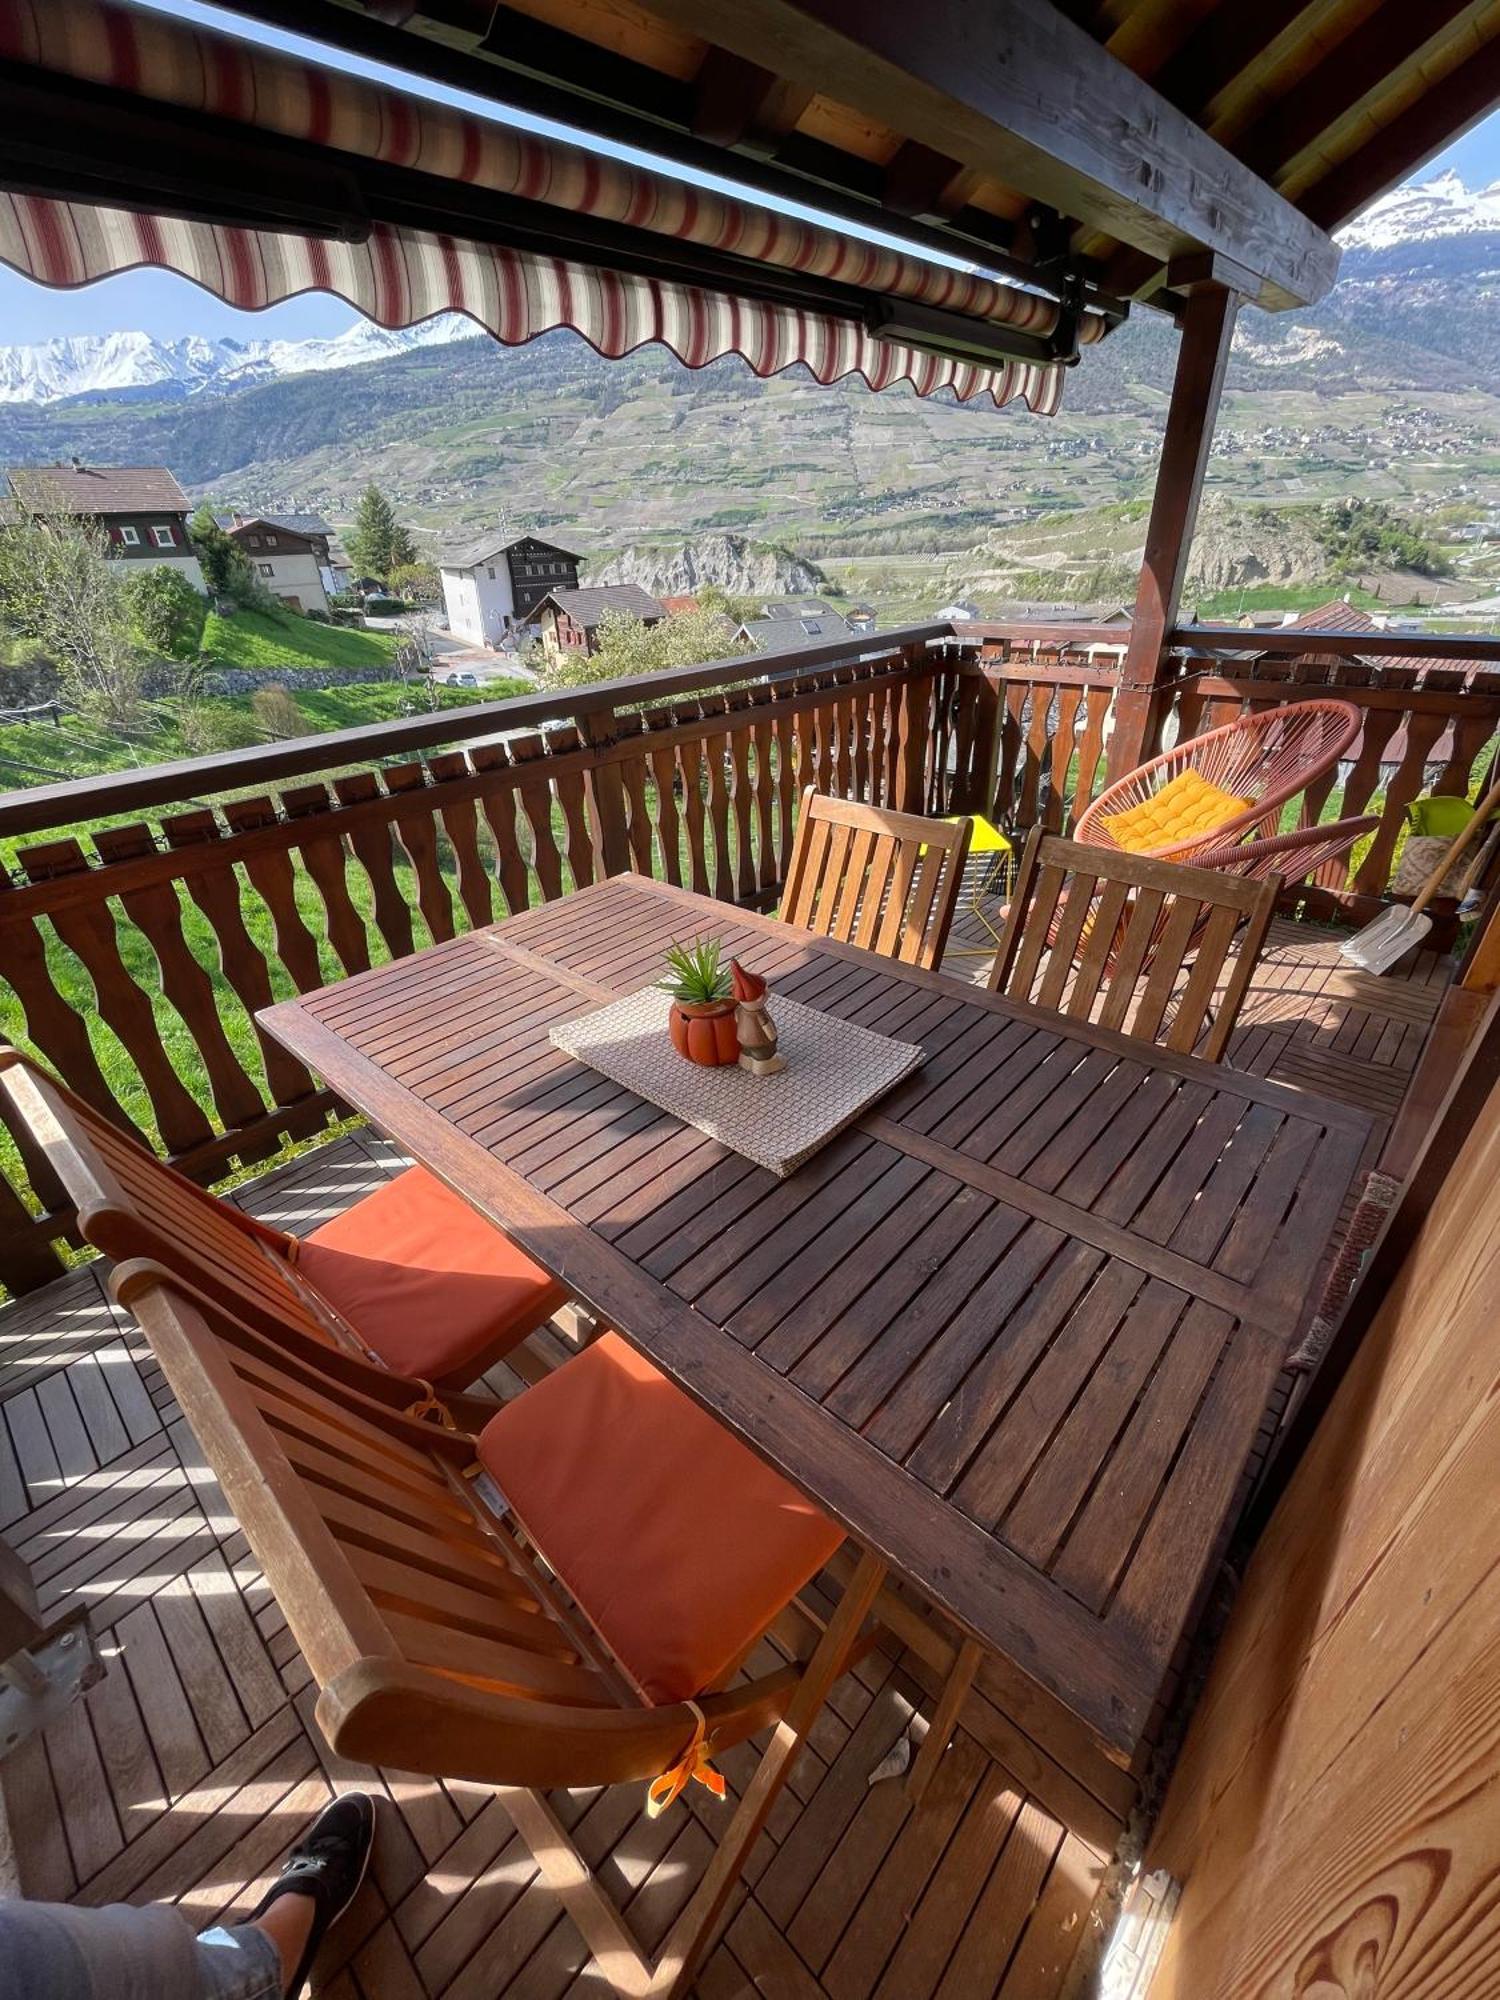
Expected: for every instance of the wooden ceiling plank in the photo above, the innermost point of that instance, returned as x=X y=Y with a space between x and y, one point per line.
x=1221 y=48
x=1018 y=92
x=1385 y=45
x=1434 y=121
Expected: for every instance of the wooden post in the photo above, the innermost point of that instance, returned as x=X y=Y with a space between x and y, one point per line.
x=912 y=734
x=606 y=798
x=981 y=688
x=1207 y=330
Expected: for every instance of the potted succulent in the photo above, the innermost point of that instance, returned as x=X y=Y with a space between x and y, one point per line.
x=701 y=1022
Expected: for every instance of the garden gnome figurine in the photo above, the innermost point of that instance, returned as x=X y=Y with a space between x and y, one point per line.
x=757 y=1031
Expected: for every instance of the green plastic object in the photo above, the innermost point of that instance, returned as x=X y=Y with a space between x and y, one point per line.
x=1445 y=818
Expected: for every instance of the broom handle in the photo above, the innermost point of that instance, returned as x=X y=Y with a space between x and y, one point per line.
x=1439 y=874
x=1477 y=866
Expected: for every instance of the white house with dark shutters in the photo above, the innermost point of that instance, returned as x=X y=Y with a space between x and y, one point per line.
x=493 y=585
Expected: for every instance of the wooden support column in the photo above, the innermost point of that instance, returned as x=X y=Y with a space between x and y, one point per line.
x=1207 y=330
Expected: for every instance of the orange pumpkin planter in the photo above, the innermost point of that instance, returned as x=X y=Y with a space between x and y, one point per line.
x=706 y=1032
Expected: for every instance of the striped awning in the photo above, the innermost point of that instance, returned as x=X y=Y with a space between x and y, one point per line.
x=398 y=275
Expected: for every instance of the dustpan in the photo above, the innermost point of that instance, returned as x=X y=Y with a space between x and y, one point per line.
x=1396 y=931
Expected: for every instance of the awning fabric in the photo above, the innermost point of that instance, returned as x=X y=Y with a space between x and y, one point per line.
x=398 y=276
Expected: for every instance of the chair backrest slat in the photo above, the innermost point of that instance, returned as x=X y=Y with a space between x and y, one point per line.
x=131 y=1204
x=885 y=880
x=1132 y=943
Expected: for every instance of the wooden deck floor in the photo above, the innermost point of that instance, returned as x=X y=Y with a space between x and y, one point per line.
x=186 y=1773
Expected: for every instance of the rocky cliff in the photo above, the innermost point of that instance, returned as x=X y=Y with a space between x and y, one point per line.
x=732 y=562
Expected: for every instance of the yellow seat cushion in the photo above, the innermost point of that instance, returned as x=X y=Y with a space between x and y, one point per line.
x=1186 y=806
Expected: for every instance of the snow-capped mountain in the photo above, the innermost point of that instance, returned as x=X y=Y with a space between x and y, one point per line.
x=1423 y=211
x=136 y=364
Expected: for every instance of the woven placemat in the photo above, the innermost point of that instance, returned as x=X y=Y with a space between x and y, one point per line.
x=834 y=1071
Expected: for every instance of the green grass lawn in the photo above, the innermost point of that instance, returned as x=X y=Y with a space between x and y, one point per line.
x=285 y=639
x=1229 y=604
x=39 y=753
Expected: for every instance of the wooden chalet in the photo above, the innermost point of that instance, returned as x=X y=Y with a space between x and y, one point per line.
x=1168 y=1637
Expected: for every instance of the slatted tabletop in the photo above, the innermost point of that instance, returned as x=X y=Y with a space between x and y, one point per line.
x=1016 y=1328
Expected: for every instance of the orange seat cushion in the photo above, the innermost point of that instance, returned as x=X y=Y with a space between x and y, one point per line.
x=677 y=1541
x=1186 y=806
x=428 y=1284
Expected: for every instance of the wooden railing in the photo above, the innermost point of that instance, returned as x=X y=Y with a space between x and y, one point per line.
x=1430 y=706
x=137 y=954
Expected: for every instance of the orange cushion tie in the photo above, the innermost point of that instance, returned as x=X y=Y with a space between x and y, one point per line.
x=695 y=1763
x=431 y=1405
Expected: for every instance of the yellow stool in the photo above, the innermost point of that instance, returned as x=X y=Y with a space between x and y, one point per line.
x=997 y=853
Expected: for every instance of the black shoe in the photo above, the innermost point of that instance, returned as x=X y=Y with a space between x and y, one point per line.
x=328 y=1863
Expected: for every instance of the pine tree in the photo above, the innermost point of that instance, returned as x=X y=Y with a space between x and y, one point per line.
x=378 y=542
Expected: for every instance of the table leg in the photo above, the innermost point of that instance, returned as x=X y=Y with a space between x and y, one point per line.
x=951 y=1698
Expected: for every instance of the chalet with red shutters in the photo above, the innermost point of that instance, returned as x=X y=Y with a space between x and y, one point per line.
x=141 y=508
x=569 y=620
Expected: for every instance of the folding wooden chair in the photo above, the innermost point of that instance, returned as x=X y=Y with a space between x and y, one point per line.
x=410 y=1275
x=404 y=1556
x=885 y=880
x=1132 y=943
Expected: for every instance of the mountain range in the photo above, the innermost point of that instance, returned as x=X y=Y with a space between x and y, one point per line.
x=1388 y=388
x=117 y=366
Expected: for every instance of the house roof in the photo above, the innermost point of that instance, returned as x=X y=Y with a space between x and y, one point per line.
x=291 y=524
x=279 y=526
x=587 y=607
x=1338 y=616
x=779 y=635
x=676 y=606
x=97 y=489
x=464 y=555
x=797 y=607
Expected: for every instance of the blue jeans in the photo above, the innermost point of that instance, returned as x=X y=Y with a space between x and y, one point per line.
x=54 y=1951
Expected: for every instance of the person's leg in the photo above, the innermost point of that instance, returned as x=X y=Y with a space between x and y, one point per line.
x=56 y=1951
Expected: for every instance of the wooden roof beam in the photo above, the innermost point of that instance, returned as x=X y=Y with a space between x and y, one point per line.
x=1470 y=93
x=921 y=182
x=1013 y=89
x=737 y=103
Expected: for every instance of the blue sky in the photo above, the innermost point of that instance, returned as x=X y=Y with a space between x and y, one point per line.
x=166 y=307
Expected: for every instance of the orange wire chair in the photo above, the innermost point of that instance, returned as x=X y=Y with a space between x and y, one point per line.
x=1267 y=757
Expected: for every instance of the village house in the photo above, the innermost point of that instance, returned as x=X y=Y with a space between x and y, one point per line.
x=493 y=585
x=802 y=621
x=569 y=620
x=333 y=563
x=290 y=563
x=141 y=508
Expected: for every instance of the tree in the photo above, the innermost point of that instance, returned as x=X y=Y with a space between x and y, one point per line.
x=417 y=582
x=166 y=611
x=377 y=542
x=59 y=587
x=627 y=647
x=226 y=567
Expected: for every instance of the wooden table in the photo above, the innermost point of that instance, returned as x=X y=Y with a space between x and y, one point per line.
x=1016 y=1329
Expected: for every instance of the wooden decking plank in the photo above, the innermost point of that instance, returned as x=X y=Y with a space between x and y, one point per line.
x=937 y=1922
x=855 y=1968
x=90 y=1823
